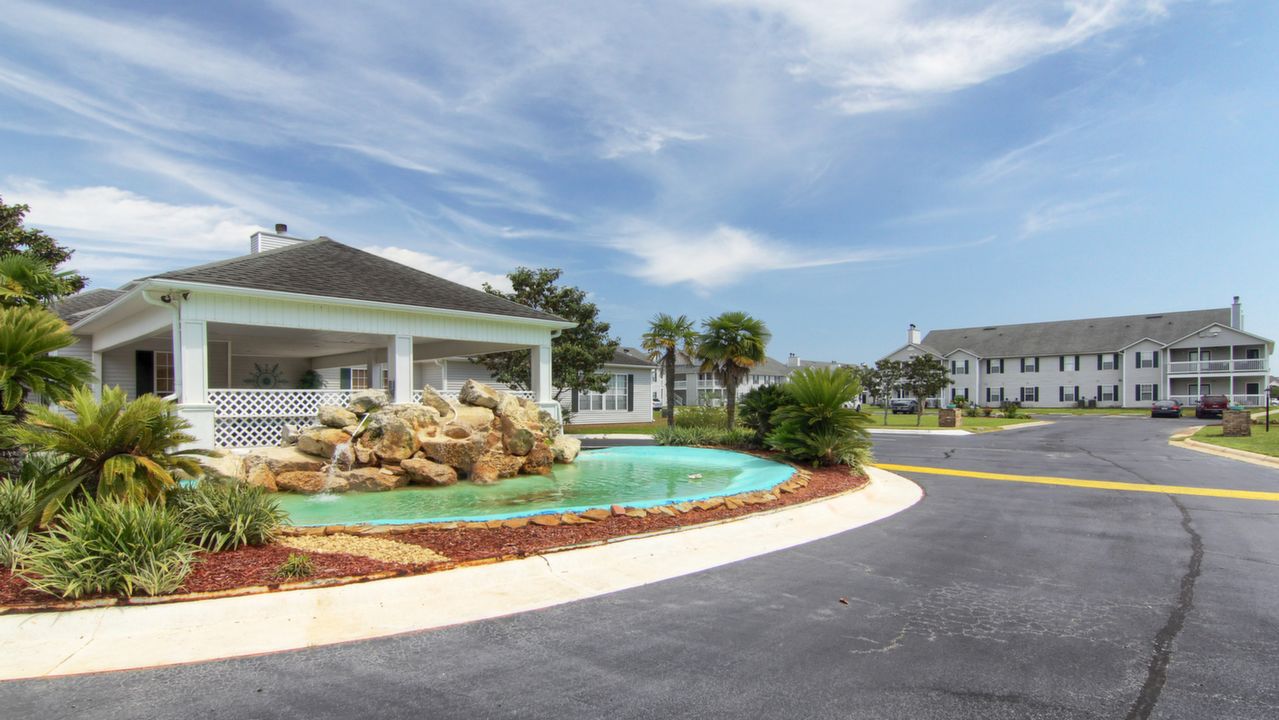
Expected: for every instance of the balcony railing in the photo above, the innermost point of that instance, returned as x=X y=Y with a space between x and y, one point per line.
x=1241 y=399
x=1194 y=367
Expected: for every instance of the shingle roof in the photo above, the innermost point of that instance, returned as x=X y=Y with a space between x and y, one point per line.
x=1089 y=335
x=327 y=268
x=77 y=306
x=769 y=367
x=631 y=356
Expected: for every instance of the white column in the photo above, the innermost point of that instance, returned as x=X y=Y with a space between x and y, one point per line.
x=399 y=361
x=370 y=364
x=193 y=370
x=96 y=362
x=540 y=372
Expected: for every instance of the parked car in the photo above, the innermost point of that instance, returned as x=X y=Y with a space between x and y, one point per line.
x=1211 y=406
x=902 y=406
x=1166 y=408
x=854 y=404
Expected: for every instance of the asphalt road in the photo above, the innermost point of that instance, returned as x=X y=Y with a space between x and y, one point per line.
x=987 y=600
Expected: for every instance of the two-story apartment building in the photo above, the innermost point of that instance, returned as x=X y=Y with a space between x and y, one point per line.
x=1127 y=361
x=694 y=387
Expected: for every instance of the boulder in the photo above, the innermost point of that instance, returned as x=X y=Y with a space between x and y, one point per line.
x=423 y=421
x=322 y=441
x=280 y=460
x=437 y=402
x=262 y=475
x=371 y=479
x=474 y=418
x=336 y=417
x=223 y=464
x=457 y=432
x=310 y=482
x=539 y=459
x=289 y=434
x=366 y=401
x=428 y=472
x=509 y=407
x=389 y=439
x=517 y=439
x=565 y=448
x=492 y=466
x=459 y=454
x=478 y=394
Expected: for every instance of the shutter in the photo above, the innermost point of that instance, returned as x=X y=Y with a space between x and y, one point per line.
x=1077 y=398
x=1116 y=363
x=1154 y=392
x=1023 y=364
x=1061 y=392
x=966 y=367
x=573 y=404
x=345 y=379
x=630 y=392
x=1098 y=392
x=1077 y=366
x=1115 y=390
x=1061 y=364
x=1098 y=361
x=144 y=372
x=1156 y=356
x=1138 y=395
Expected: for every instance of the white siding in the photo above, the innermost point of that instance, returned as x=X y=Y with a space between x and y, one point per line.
x=642 y=401
x=428 y=373
x=83 y=349
x=459 y=371
x=219 y=367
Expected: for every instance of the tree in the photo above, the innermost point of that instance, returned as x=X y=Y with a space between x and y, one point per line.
x=27 y=336
x=25 y=280
x=17 y=239
x=926 y=376
x=112 y=448
x=578 y=353
x=883 y=379
x=729 y=346
x=668 y=336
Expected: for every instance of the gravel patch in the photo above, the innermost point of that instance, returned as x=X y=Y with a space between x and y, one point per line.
x=370 y=547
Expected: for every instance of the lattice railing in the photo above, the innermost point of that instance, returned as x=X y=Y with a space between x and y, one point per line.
x=256 y=418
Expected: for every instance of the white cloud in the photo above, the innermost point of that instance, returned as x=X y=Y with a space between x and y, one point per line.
x=134 y=222
x=1054 y=216
x=649 y=141
x=728 y=255
x=447 y=269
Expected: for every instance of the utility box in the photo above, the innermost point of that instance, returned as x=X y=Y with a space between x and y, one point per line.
x=1236 y=423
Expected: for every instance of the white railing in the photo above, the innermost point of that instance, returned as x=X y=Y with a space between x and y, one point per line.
x=1241 y=399
x=1191 y=367
x=244 y=417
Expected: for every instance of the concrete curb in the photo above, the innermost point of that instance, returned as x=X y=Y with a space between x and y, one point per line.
x=133 y=637
x=1225 y=452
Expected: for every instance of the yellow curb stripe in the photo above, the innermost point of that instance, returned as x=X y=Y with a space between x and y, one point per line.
x=1093 y=484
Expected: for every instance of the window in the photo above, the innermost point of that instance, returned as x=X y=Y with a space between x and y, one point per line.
x=1069 y=363
x=359 y=378
x=1107 y=362
x=1068 y=394
x=163 y=373
x=1148 y=360
x=958 y=367
x=1252 y=353
x=1252 y=389
x=1107 y=393
x=1146 y=392
x=1200 y=355
x=613 y=398
x=1195 y=389
x=995 y=367
x=994 y=394
x=1030 y=394
x=955 y=393
x=1030 y=364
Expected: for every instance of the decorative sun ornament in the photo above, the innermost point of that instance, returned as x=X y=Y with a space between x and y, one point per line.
x=266 y=376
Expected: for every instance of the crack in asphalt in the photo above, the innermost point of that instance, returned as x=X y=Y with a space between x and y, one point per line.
x=1157 y=670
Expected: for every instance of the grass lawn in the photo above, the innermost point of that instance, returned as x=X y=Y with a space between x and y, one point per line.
x=930 y=421
x=614 y=428
x=1266 y=443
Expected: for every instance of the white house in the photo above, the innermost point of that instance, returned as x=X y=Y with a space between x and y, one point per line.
x=233 y=341
x=1127 y=361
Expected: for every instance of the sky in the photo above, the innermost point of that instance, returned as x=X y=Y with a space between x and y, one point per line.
x=839 y=170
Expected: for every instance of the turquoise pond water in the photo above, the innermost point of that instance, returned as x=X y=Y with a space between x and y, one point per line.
x=630 y=476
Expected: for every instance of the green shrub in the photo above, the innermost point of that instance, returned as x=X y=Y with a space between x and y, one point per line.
x=972 y=411
x=296 y=566
x=111 y=546
x=987 y=412
x=695 y=437
x=700 y=416
x=680 y=436
x=224 y=515
x=1010 y=408
x=758 y=406
x=14 y=547
x=17 y=505
x=815 y=425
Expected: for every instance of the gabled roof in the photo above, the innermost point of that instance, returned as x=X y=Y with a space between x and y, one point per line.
x=768 y=367
x=632 y=357
x=922 y=348
x=326 y=268
x=1064 y=337
x=1224 y=326
x=80 y=305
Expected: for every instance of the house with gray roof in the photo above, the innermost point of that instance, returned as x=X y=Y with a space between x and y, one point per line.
x=1125 y=361
x=251 y=343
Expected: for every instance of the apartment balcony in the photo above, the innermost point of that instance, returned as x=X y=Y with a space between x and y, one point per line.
x=1240 y=398
x=1222 y=367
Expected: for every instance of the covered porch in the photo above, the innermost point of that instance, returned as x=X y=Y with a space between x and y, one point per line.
x=243 y=368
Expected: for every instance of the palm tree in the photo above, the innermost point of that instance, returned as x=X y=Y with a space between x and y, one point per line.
x=729 y=346
x=109 y=448
x=27 y=336
x=25 y=280
x=667 y=337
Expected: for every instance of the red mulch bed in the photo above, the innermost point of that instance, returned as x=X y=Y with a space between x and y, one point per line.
x=256 y=566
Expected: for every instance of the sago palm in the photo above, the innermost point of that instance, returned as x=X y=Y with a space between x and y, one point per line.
x=112 y=448
x=729 y=346
x=815 y=423
x=668 y=336
x=25 y=280
x=27 y=336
